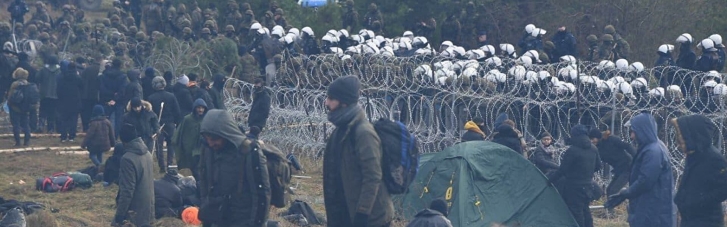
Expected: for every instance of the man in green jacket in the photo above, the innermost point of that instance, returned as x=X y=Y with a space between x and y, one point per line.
x=187 y=141
x=135 y=199
x=353 y=189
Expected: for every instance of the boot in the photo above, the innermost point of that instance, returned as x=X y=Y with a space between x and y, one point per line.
x=17 y=140
x=26 y=142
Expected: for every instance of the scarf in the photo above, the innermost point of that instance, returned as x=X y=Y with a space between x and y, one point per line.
x=344 y=115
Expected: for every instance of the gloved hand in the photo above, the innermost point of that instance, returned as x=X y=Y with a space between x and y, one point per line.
x=361 y=220
x=616 y=199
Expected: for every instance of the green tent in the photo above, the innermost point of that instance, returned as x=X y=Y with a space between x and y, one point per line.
x=490 y=184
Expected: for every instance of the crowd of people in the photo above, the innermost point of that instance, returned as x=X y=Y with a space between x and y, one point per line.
x=115 y=99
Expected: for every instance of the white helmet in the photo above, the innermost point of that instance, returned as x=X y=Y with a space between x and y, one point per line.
x=289 y=38
x=279 y=32
x=568 y=73
x=673 y=88
x=404 y=44
x=637 y=66
x=531 y=76
x=446 y=43
x=622 y=64
x=442 y=65
x=362 y=32
x=294 y=31
x=707 y=44
x=714 y=75
x=308 y=30
x=588 y=79
x=255 y=26
x=494 y=61
x=370 y=33
x=518 y=72
x=617 y=79
x=408 y=34
x=625 y=88
x=441 y=80
x=354 y=49
x=459 y=50
x=420 y=40
x=423 y=70
x=666 y=48
x=476 y=54
x=488 y=49
x=370 y=48
x=469 y=72
x=710 y=83
x=278 y=27
x=568 y=59
x=346 y=57
x=387 y=51
x=639 y=83
x=686 y=37
x=605 y=85
x=533 y=54
x=542 y=75
x=658 y=92
x=606 y=64
x=8 y=46
x=337 y=51
x=343 y=32
x=525 y=60
x=332 y=32
x=329 y=38
x=717 y=39
x=720 y=89
x=357 y=38
x=537 y=32
x=529 y=28
x=508 y=48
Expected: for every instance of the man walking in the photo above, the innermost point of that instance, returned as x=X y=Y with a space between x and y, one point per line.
x=260 y=109
x=168 y=117
x=353 y=190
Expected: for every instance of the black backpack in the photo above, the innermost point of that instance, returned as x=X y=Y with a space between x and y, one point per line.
x=279 y=174
x=399 y=155
x=25 y=96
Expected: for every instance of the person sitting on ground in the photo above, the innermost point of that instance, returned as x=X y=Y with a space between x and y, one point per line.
x=167 y=195
x=543 y=155
x=435 y=216
x=112 y=165
x=99 y=136
x=474 y=130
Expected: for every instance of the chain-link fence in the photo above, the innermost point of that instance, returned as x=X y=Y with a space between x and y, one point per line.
x=434 y=97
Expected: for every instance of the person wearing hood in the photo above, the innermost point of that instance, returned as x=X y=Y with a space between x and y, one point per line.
x=167 y=195
x=260 y=109
x=139 y=114
x=169 y=117
x=353 y=189
x=187 y=141
x=216 y=91
x=578 y=165
x=543 y=155
x=434 y=216
x=474 y=130
x=506 y=135
x=146 y=82
x=112 y=166
x=616 y=153
x=197 y=92
x=234 y=185
x=89 y=99
x=47 y=85
x=169 y=78
x=133 y=89
x=100 y=136
x=565 y=44
x=184 y=96
x=651 y=184
x=70 y=88
x=703 y=185
x=19 y=116
x=111 y=89
x=136 y=181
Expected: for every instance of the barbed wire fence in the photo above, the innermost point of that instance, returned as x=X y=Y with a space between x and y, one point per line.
x=434 y=97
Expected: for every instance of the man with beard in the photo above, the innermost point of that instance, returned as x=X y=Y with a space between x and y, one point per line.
x=187 y=141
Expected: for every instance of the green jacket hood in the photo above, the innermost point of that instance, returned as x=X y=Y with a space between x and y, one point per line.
x=136 y=146
x=219 y=122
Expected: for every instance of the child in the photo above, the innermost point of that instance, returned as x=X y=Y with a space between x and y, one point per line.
x=99 y=137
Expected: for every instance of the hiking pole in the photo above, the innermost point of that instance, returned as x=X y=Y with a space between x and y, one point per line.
x=159 y=119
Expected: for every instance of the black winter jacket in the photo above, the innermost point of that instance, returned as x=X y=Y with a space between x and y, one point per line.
x=184 y=98
x=616 y=153
x=90 y=79
x=70 y=89
x=167 y=197
x=112 y=165
x=111 y=86
x=132 y=89
x=507 y=136
x=703 y=186
x=146 y=122
x=579 y=162
x=171 y=113
x=543 y=159
x=260 y=109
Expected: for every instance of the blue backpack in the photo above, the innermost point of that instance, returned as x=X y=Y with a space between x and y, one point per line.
x=399 y=155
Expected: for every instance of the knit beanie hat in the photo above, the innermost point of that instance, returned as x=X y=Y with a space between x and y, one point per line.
x=127 y=133
x=158 y=83
x=183 y=80
x=135 y=102
x=595 y=133
x=439 y=205
x=345 y=89
x=579 y=130
x=545 y=134
x=97 y=111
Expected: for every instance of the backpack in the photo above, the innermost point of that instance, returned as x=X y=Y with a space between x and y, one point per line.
x=25 y=96
x=279 y=174
x=81 y=180
x=399 y=155
x=58 y=182
x=302 y=208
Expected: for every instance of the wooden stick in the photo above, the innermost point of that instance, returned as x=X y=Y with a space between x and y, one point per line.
x=41 y=135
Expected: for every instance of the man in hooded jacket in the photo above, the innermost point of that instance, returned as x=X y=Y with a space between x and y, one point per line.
x=70 y=88
x=133 y=88
x=474 y=130
x=616 y=153
x=187 y=141
x=260 y=109
x=651 y=184
x=434 y=216
x=184 y=96
x=47 y=85
x=703 y=185
x=169 y=117
x=167 y=195
x=353 y=189
x=580 y=162
x=507 y=136
x=111 y=88
x=217 y=91
x=136 y=181
x=234 y=184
